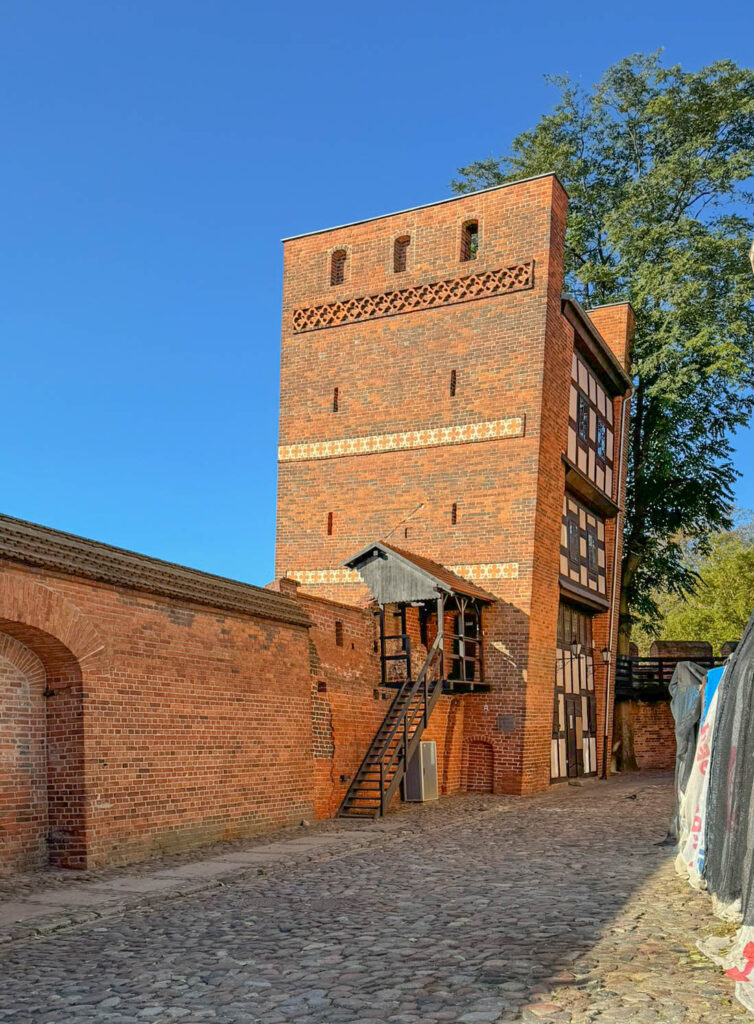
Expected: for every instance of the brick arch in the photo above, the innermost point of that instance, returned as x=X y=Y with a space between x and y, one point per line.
x=61 y=638
x=478 y=765
x=29 y=611
x=23 y=658
x=23 y=761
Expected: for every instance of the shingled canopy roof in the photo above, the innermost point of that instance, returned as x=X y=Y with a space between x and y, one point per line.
x=44 y=548
x=428 y=578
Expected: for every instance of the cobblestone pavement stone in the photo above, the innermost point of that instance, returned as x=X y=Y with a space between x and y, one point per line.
x=561 y=908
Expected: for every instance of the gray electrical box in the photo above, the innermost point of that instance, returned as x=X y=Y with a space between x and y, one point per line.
x=421 y=777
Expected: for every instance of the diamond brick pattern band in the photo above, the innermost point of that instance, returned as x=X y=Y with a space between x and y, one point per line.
x=515 y=278
x=475 y=573
x=431 y=437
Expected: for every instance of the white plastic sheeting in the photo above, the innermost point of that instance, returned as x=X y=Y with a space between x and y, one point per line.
x=715 y=811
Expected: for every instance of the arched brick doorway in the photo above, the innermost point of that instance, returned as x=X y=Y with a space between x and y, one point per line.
x=42 y=793
x=480 y=767
x=23 y=759
x=42 y=748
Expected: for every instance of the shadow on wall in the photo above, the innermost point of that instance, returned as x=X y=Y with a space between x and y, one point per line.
x=494 y=722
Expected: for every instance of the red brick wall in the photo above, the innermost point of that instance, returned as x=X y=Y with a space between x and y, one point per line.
x=653 y=733
x=616 y=325
x=189 y=724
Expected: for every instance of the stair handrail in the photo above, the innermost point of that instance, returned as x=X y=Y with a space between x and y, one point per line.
x=420 y=682
x=409 y=744
x=413 y=690
x=365 y=759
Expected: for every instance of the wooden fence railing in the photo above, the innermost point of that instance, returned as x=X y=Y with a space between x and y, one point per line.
x=649 y=677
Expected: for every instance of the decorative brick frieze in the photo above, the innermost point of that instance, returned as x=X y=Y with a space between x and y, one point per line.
x=430 y=437
x=425 y=296
x=339 y=577
x=487 y=571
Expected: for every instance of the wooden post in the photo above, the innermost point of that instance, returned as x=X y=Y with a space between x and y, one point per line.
x=405 y=642
x=383 y=663
x=461 y=602
x=480 y=641
x=441 y=633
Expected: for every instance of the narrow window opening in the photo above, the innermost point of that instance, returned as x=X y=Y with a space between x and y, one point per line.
x=583 y=418
x=400 y=253
x=405 y=532
x=329 y=524
x=338 y=267
x=591 y=549
x=452 y=383
x=335 y=400
x=338 y=634
x=321 y=686
x=454 y=513
x=469 y=241
x=573 y=540
x=601 y=438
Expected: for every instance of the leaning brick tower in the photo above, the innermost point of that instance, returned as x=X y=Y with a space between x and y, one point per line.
x=425 y=387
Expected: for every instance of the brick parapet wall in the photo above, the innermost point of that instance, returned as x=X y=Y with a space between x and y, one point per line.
x=196 y=722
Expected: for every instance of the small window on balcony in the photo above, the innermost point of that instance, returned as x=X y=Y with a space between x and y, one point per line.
x=338 y=267
x=583 y=418
x=469 y=241
x=400 y=253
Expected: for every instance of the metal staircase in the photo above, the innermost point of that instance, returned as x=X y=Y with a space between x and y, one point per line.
x=375 y=784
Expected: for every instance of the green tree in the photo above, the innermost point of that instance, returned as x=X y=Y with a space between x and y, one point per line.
x=723 y=600
x=658 y=162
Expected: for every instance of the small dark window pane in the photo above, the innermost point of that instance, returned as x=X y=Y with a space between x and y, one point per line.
x=573 y=540
x=591 y=549
x=469 y=241
x=583 y=418
x=339 y=634
x=338 y=267
x=454 y=513
x=329 y=524
x=335 y=400
x=452 y=383
x=400 y=254
x=601 y=438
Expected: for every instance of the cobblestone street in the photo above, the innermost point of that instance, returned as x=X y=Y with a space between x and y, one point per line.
x=558 y=908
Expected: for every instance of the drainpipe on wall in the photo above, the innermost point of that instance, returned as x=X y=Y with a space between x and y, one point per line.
x=625 y=408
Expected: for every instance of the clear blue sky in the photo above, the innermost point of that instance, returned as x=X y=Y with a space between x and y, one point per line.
x=154 y=153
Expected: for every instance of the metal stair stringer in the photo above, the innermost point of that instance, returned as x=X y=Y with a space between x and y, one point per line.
x=395 y=743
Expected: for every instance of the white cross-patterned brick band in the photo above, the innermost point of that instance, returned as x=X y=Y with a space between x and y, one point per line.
x=483 y=285
x=431 y=437
x=334 y=577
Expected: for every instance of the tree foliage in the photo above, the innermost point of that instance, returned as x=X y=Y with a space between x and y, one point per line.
x=658 y=163
x=723 y=600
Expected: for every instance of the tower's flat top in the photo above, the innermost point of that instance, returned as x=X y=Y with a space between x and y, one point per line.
x=424 y=206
